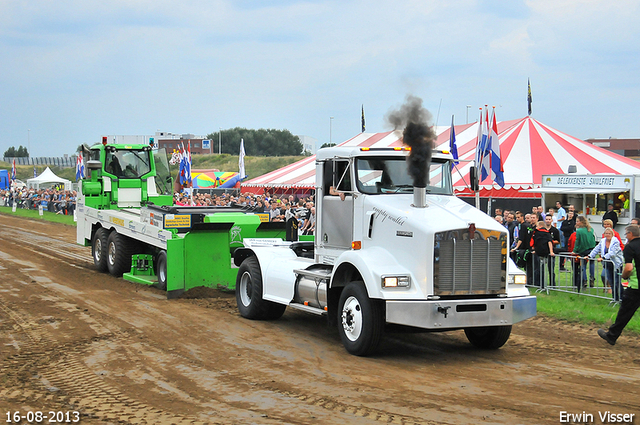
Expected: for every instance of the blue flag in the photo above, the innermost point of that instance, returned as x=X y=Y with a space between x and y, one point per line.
x=452 y=144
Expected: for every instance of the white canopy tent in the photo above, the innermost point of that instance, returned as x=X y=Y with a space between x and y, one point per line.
x=47 y=179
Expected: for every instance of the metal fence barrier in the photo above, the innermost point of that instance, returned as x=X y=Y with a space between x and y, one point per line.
x=566 y=273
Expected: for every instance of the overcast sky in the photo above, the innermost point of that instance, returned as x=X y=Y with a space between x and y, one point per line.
x=74 y=70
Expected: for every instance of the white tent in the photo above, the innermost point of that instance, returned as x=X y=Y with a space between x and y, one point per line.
x=47 y=179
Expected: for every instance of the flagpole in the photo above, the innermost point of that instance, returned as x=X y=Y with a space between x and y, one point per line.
x=477 y=162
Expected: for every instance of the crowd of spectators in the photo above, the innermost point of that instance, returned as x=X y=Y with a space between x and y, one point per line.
x=566 y=233
x=281 y=208
x=54 y=200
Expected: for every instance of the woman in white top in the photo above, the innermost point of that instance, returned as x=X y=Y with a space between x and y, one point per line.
x=609 y=249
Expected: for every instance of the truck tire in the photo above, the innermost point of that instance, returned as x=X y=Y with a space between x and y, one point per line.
x=249 y=293
x=360 y=320
x=119 y=251
x=161 y=270
x=99 y=249
x=489 y=337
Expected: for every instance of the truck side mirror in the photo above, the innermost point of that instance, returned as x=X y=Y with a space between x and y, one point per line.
x=94 y=165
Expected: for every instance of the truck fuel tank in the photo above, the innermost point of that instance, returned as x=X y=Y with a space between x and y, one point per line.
x=311 y=287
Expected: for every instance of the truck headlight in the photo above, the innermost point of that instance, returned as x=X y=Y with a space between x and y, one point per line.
x=396 y=281
x=517 y=279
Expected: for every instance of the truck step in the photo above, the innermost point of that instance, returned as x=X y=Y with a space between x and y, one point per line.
x=308 y=309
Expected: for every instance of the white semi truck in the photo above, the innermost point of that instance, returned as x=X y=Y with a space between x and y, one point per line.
x=386 y=252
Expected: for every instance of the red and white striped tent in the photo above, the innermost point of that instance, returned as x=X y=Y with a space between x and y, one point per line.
x=528 y=147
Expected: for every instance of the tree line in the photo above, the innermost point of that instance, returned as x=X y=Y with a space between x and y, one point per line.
x=261 y=142
x=12 y=152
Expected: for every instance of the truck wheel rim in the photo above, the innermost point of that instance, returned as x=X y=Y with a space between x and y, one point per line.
x=112 y=253
x=162 y=272
x=245 y=289
x=97 y=249
x=352 y=318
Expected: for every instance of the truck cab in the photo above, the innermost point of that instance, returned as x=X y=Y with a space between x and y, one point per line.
x=126 y=176
x=389 y=252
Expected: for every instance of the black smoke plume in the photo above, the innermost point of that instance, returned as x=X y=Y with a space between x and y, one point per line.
x=417 y=134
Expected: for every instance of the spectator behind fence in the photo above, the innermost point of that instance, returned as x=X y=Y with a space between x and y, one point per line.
x=542 y=244
x=631 y=295
x=611 y=214
x=522 y=249
x=585 y=241
x=567 y=228
x=609 y=249
x=608 y=224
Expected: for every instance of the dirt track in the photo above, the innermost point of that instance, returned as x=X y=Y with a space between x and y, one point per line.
x=72 y=339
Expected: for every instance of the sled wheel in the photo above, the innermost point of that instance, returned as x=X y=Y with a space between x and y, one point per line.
x=249 y=293
x=99 y=249
x=119 y=251
x=489 y=337
x=161 y=270
x=360 y=320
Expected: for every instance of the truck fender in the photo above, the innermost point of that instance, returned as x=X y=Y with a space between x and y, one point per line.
x=370 y=264
x=277 y=265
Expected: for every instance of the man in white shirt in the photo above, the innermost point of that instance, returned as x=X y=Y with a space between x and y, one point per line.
x=561 y=216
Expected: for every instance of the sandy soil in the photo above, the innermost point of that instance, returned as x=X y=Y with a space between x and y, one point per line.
x=73 y=339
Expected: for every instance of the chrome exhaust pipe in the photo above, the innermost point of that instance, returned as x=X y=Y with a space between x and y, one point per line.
x=419 y=197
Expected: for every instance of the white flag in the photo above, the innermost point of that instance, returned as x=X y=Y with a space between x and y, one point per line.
x=241 y=161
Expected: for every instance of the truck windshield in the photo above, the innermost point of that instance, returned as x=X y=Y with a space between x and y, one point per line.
x=127 y=164
x=163 y=175
x=379 y=175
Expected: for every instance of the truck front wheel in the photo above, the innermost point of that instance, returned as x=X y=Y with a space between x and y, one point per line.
x=360 y=320
x=119 y=251
x=249 y=293
x=489 y=337
x=99 y=249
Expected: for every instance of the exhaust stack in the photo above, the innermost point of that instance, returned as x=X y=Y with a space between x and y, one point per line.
x=419 y=197
x=421 y=139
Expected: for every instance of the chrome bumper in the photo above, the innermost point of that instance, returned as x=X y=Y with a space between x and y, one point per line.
x=451 y=314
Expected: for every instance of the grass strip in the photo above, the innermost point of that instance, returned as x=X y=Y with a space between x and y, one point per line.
x=581 y=309
x=35 y=215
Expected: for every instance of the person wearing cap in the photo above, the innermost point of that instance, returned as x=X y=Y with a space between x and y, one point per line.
x=611 y=214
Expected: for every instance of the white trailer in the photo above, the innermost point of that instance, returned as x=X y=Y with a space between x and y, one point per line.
x=388 y=253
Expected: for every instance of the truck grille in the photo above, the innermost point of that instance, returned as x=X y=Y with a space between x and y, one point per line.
x=469 y=266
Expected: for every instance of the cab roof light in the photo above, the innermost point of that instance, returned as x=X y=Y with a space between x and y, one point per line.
x=104 y=140
x=395 y=148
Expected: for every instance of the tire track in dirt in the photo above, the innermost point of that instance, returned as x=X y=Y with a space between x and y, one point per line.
x=90 y=394
x=84 y=391
x=43 y=242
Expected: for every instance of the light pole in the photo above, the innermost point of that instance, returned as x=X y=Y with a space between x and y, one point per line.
x=330 y=129
x=28 y=145
x=219 y=141
x=468 y=106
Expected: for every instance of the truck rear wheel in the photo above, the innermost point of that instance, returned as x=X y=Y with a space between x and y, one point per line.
x=360 y=320
x=161 y=270
x=489 y=337
x=249 y=293
x=119 y=251
x=99 y=249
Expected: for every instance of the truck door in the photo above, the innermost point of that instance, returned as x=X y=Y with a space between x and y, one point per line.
x=337 y=214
